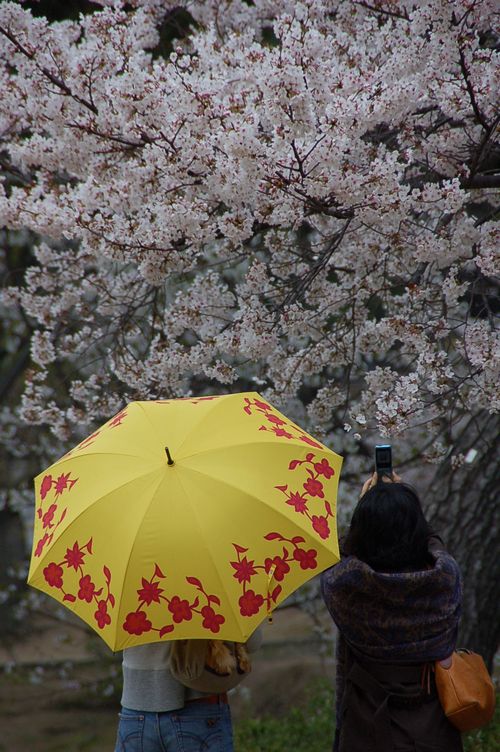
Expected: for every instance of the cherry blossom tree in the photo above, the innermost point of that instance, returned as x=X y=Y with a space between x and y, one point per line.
x=295 y=197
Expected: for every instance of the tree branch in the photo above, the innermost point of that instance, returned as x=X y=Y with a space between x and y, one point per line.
x=47 y=73
x=313 y=272
x=383 y=11
x=482 y=181
x=477 y=112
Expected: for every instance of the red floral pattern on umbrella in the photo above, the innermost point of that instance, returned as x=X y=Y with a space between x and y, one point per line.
x=244 y=569
x=276 y=566
x=276 y=424
x=114 y=422
x=250 y=603
x=211 y=620
x=137 y=622
x=118 y=419
x=81 y=586
x=177 y=609
x=180 y=609
x=52 y=517
x=313 y=491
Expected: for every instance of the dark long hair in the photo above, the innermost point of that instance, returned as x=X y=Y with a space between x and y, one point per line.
x=388 y=529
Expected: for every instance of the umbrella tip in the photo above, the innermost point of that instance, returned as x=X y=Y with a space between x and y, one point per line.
x=169 y=458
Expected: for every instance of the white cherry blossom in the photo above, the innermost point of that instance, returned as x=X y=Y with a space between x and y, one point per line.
x=299 y=195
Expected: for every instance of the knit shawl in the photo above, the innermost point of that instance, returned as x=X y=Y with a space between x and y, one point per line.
x=396 y=617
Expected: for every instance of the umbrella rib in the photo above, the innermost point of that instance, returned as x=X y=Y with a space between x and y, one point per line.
x=294 y=441
x=131 y=549
x=73 y=457
x=238 y=488
x=318 y=543
x=154 y=428
x=207 y=415
x=150 y=422
x=108 y=493
x=214 y=559
x=263 y=442
x=146 y=416
x=83 y=511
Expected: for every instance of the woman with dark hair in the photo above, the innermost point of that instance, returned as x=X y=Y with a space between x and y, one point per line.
x=396 y=600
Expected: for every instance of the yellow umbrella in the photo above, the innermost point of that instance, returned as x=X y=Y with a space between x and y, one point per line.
x=185 y=519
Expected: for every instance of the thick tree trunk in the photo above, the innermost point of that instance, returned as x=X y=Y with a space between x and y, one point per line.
x=12 y=555
x=463 y=506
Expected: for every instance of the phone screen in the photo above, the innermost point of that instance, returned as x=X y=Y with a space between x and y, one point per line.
x=383 y=458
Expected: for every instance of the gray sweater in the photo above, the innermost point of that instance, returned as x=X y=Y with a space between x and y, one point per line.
x=147 y=682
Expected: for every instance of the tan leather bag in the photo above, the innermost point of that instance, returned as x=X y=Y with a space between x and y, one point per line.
x=466 y=691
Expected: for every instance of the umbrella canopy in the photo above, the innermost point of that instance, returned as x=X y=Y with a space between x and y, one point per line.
x=185 y=519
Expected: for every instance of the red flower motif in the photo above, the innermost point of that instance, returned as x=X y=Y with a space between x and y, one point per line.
x=324 y=468
x=149 y=592
x=88 y=441
x=261 y=405
x=101 y=615
x=314 y=488
x=49 y=516
x=117 y=420
x=274 y=419
x=211 y=620
x=244 y=570
x=250 y=603
x=180 y=609
x=311 y=442
x=320 y=524
x=62 y=483
x=281 y=565
x=53 y=574
x=46 y=486
x=298 y=501
x=307 y=559
x=41 y=543
x=87 y=589
x=74 y=557
x=281 y=433
x=136 y=623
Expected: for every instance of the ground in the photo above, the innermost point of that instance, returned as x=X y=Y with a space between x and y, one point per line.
x=56 y=694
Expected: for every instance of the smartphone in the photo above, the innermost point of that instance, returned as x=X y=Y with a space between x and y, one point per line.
x=383 y=460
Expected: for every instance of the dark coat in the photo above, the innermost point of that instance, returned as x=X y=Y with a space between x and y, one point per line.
x=391 y=708
x=393 y=626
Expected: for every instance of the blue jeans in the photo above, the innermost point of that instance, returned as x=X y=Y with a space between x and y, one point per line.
x=197 y=727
